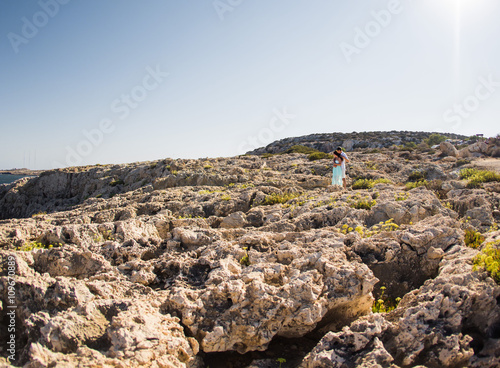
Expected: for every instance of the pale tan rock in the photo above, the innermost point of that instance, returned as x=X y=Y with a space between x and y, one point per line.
x=448 y=149
x=169 y=238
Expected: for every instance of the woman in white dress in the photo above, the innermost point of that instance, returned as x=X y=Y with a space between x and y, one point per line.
x=337 y=173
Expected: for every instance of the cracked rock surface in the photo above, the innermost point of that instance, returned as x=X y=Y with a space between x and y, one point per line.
x=175 y=263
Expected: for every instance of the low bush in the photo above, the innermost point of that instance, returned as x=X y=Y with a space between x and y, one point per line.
x=275 y=198
x=416 y=176
x=409 y=146
x=489 y=260
x=473 y=238
x=369 y=183
x=434 y=139
x=477 y=177
x=301 y=149
x=319 y=156
x=364 y=203
x=412 y=185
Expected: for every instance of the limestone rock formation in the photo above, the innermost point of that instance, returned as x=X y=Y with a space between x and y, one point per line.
x=236 y=262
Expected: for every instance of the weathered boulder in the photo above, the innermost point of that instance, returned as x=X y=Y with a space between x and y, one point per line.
x=448 y=149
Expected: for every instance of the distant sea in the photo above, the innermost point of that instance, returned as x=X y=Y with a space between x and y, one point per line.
x=8 y=178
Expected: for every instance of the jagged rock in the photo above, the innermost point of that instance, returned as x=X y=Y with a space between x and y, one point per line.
x=163 y=263
x=430 y=325
x=243 y=307
x=234 y=220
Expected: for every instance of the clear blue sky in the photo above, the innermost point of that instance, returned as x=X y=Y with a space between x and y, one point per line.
x=92 y=81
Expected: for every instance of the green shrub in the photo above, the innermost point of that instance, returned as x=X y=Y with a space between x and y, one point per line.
x=467 y=173
x=301 y=149
x=413 y=185
x=473 y=238
x=434 y=139
x=369 y=183
x=416 y=176
x=489 y=260
x=477 y=177
x=409 y=146
x=278 y=198
x=319 y=156
x=364 y=204
x=362 y=184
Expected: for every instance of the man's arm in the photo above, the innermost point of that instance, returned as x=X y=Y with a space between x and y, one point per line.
x=345 y=156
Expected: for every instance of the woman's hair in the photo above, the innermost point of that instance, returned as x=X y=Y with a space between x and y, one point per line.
x=338 y=155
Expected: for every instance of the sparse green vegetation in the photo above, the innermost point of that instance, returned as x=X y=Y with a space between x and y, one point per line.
x=412 y=185
x=369 y=183
x=416 y=176
x=384 y=304
x=434 y=139
x=245 y=260
x=30 y=246
x=409 y=146
x=319 y=156
x=477 y=177
x=402 y=196
x=278 y=198
x=301 y=149
x=382 y=226
x=489 y=260
x=364 y=203
x=473 y=238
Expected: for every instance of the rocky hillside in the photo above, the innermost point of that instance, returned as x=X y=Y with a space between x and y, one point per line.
x=327 y=142
x=253 y=262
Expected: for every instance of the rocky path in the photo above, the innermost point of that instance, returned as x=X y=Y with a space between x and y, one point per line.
x=488 y=164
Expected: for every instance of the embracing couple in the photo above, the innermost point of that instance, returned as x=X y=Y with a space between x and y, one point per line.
x=339 y=160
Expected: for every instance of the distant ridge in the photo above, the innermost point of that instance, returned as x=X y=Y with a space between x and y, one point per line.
x=327 y=142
